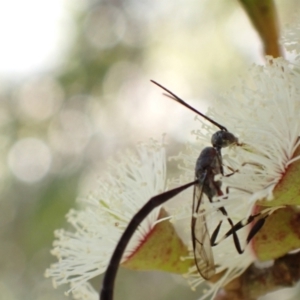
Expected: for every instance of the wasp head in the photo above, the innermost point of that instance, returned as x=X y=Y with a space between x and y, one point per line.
x=222 y=139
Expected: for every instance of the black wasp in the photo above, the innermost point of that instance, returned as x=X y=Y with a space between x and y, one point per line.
x=208 y=166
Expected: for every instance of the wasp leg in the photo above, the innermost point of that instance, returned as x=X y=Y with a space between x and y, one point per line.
x=215 y=234
x=232 y=232
x=254 y=230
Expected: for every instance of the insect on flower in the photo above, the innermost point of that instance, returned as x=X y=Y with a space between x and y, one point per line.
x=208 y=166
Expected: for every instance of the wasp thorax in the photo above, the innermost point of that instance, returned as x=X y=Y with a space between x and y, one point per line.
x=222 y=139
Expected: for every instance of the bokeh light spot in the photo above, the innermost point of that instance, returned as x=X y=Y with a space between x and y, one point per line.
x=70 y=132
x=39 y=99
x=29 y=159
x=105 y=26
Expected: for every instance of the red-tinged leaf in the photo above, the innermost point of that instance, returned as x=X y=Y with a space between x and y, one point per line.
x=161 y=250
x=279 y=235
x=287 y=191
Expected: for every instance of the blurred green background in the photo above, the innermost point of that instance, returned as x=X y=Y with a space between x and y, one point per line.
x=74 y=90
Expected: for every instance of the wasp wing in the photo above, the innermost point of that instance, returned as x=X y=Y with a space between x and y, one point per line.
x=203 y=254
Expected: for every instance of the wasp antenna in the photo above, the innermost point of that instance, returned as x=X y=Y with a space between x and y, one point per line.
x=179 y=100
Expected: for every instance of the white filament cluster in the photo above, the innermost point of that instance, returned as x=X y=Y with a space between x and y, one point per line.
x=85 y=251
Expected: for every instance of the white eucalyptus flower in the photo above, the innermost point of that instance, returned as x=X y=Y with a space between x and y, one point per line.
x=263 y=112
x=84 y=252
